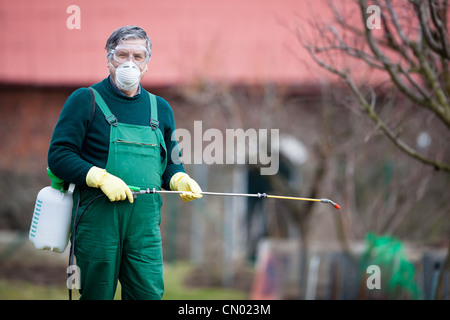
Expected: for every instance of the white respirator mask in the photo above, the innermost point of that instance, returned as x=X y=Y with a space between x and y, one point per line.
x=128 y=76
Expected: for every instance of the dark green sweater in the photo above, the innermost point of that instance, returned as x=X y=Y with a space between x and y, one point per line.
x=77 y=144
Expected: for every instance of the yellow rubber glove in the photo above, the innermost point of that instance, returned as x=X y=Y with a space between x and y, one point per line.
x=180 y=181
x=113 y=187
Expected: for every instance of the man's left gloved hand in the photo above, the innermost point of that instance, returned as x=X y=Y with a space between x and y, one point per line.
x=181 y=181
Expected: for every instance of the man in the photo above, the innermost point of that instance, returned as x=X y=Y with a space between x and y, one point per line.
x=121 y=140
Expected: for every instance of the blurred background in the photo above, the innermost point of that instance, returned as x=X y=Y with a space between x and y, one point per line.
x=358 y=91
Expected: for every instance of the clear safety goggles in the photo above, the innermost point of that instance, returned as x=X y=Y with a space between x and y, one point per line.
x=123 y=53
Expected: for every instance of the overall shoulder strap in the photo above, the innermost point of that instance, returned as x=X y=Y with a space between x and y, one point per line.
x=154 y=123
x=110 y=118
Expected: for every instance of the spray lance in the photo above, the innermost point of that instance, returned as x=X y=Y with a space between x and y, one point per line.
x=137 y=190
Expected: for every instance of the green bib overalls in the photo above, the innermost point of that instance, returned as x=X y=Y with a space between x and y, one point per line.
x=121 y=240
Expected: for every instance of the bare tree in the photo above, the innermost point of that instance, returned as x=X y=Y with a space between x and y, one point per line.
x=407 y=42
x=410 y=45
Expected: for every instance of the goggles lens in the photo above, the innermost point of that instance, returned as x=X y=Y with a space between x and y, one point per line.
x=139 y=54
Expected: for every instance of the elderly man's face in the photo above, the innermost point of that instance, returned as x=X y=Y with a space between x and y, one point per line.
x=129 y=49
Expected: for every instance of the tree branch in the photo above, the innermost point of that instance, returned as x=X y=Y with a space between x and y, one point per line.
x=441 y=106
x=391 y=39
x=390 y=67
x=429 y=35
x=372 y=115
x=441 y=28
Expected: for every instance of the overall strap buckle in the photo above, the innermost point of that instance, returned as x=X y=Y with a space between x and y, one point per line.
x=154 y=124
x=112 y=120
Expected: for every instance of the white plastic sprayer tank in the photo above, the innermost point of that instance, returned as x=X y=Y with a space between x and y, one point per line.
x=50 y=226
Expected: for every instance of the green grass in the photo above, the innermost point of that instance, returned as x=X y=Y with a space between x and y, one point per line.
x=21 y=290
x=175 y=288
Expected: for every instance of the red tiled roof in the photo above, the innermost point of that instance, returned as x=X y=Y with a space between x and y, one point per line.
x=231 y=41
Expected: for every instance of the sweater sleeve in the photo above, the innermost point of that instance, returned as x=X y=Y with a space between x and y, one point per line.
x=173 y=165
x=64 y=154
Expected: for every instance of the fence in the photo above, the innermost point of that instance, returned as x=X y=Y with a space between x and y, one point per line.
x=284 y=272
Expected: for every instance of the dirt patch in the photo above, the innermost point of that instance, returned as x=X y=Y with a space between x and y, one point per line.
x=242 y=278
x=36 y=274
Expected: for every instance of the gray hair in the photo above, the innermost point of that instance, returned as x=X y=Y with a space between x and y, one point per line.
x=124 y=33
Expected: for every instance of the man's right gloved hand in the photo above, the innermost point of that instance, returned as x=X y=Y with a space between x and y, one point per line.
x=113 y=187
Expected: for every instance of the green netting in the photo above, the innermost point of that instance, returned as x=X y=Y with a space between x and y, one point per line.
x=397 y=273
